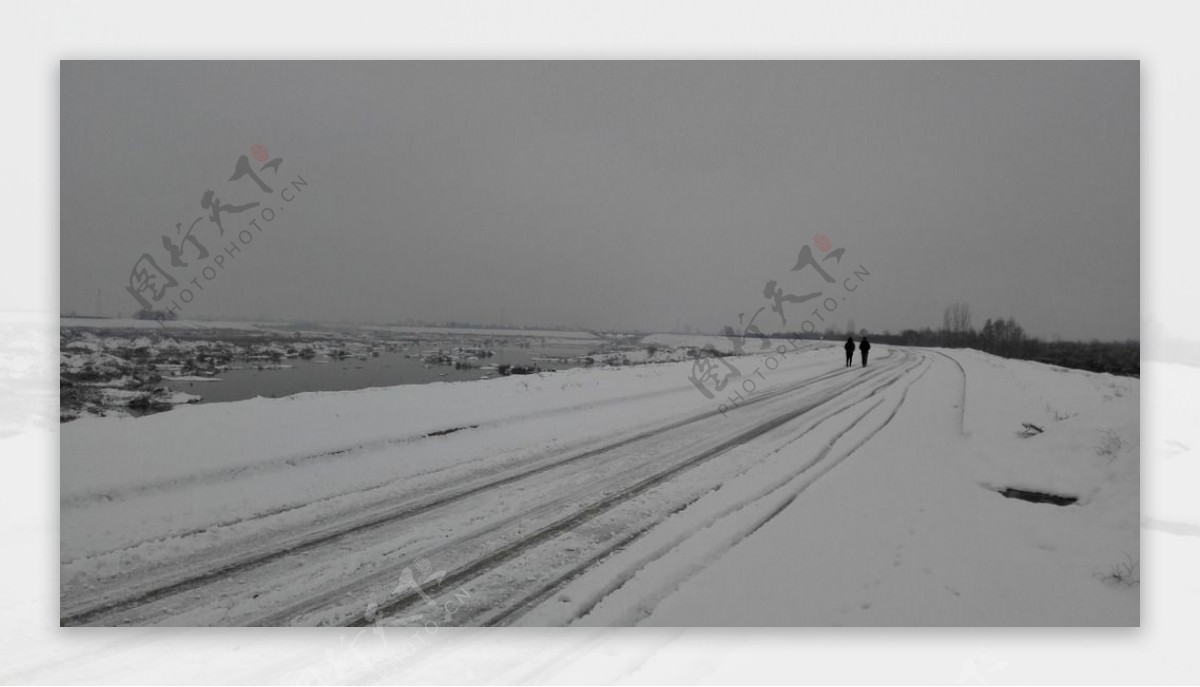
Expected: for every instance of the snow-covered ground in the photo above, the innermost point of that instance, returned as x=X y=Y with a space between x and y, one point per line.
x=825 y=495
x=553 y=334
x=907 y=532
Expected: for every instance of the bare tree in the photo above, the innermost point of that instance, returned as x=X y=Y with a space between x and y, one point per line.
x=956 y=324
x=962 y=319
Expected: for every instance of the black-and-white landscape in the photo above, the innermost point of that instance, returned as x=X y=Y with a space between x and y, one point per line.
x=564 y=343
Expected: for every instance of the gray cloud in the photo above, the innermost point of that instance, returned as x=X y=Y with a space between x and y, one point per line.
x=619 y=194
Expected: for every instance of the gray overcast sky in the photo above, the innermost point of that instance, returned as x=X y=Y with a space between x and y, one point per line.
x=615 y=194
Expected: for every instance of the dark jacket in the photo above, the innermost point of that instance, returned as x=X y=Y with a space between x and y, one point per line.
x=849 y=345
x=864 y=345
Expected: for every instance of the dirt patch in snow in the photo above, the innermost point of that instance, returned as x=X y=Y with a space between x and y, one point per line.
x=1037 y=496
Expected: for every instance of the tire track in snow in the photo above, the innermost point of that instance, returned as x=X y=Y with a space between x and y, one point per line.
x=343 y=452
x=479 y=566
x=389 y=573
x=526 y=541
x=962 y=404
x=347 y=451
x=388 y=499
x=527 y=603
x=640 y=610
x=88 y=610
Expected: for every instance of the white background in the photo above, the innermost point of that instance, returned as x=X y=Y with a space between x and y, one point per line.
x=34 y=37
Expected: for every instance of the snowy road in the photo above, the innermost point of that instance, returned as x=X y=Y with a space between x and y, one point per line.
x=506 y=539
x=529 y=501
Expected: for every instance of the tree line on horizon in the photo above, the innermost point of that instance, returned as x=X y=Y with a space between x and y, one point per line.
x=1005 y=338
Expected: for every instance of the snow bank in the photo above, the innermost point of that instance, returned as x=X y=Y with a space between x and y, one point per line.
x=909 y=530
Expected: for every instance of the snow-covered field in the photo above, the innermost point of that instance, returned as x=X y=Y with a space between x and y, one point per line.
x=553 y=334
x=827 y=496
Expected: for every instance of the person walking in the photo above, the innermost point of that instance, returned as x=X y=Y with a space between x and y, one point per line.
x=865 y=347
x=849 y=350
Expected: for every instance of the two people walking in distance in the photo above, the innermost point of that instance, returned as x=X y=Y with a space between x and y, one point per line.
x=864 y=346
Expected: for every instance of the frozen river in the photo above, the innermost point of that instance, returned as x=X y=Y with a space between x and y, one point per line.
x=389 y=368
